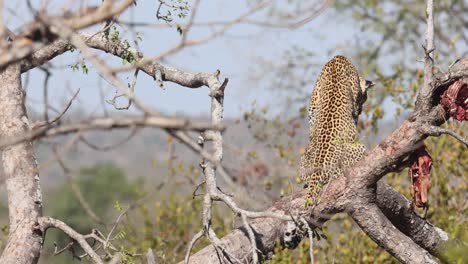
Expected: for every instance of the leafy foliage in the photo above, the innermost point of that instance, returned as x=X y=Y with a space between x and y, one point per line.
x=80 y=65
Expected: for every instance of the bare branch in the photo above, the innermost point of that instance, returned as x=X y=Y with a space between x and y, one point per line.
x=252 y=238
x=437 y=131
x=309 y=16
x=60 y=251
x=109 y=123
x=290 y=20
x=47 y=222
x=57 y=118
x=100 y=42
x=311 y=239
x=113 y=145
x=132 y=89
x=116 y=223
x=77 y=41
x=194 y=239
x=423 y=100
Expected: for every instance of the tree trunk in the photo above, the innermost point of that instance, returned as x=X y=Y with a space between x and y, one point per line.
x=21 y=175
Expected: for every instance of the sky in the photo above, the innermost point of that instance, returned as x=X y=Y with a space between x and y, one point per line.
x=235 y=54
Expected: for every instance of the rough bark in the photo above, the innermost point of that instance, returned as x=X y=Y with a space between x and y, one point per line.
x=99 y=41
x=269 y=230
x=400 y=212
x=21 y=175
x=377 y=226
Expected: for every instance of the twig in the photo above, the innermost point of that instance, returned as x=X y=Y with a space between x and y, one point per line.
x=60 y=251
x=45 y=94
x=89 y=54
x=437 y=131
x=194 y=194
x=19 y=50
x=161 y=2
x=251 y=235
x=76 y=189
x=116 y=223
x=311 y=239
x=113 y=145
x=191 y=244
x=186 y=140
x=57 y=118
x=132 y=89
x=64 y=148
x=158 y=75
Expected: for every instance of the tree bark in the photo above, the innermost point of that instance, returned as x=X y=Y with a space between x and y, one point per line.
x=377 y=226
x=401 y=213
x=269 y=230
x=21 y=175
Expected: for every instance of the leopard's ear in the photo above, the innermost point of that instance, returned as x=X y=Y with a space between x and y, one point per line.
x=365 y=84
x=369 y=84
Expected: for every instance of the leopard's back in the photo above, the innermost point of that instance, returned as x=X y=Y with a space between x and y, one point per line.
x=335 y=105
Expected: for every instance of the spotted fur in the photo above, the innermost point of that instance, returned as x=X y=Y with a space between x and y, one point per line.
x=335 y=105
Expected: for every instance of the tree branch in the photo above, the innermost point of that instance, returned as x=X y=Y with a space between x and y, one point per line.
x=100 y=42
x=437 y=131
x=400 y=212
x=376 y=225
x=267 y=231
x=423 y=100
x=47 y=222
x=106 y=124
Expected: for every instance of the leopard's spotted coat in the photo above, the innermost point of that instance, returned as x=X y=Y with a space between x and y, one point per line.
x=335 y=105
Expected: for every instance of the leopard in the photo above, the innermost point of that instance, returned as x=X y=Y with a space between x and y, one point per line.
x=335 y=105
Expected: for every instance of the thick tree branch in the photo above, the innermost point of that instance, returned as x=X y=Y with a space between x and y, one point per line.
x=376 y=225
x=400 y=212
x=100 y=42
